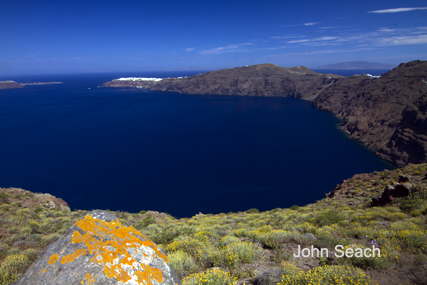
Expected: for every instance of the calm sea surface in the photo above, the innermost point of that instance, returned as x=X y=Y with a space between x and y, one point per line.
x=131 y=150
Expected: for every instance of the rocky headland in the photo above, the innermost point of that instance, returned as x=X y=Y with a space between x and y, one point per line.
x=10 y=84
x=387 y=113
x=135 y=82
x=256 y=80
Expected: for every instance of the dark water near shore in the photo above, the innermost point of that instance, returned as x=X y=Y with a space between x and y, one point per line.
x=131 y=150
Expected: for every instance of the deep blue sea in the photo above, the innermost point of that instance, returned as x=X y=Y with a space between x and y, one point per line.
x=131 y=149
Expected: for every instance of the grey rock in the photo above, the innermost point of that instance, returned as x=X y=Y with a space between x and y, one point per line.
x=99 y=250
x=403 y=178
x=310 y=236
x=269 y=277
x=391 y=193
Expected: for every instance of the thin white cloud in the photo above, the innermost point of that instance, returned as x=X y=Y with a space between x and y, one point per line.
x=286 y=37
x=276 y=48
x=386 y=30
x=330 y=27
x=420 y=30
x=324 y=52
x=229 y=48
x=397 y=10
x=313 y=40
x=189 y=49
x=403 y=40
x=298 y=41
x=325 y=38
x=311 y=23
x=303 y=24
x=319 y=44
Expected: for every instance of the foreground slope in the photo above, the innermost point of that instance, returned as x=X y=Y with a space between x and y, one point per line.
x=387 y=114
x=255 y=247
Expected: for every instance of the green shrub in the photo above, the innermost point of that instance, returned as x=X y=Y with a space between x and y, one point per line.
x=294 y=207
x=213 y=276
x=46 y=240
x=183 y=263
x=224 y=241
x=11 y=267
x=26 y=230
x=163 y=235
x=148 y=220
x=31 y=254
x=409 y=205
x=276 y=238
x=185 y=244
x=327 y=275
x=290 y=269
x=246 y=252
x=240 y=232
x=34 y=225
x=39 y=209
x=4 y=248
x=329 y=217
x=252 y=211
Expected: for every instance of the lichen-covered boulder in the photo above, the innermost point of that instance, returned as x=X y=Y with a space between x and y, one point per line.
x=100 y=250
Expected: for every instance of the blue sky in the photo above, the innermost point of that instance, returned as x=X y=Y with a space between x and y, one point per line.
x=61 y=36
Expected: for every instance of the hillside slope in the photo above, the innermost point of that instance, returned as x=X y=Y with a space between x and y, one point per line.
x=387 y=114
x=255 y=247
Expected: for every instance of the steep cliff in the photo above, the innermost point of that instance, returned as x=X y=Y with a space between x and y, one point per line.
x=387 y=114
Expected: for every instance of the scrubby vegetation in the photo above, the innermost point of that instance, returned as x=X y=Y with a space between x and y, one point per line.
x=255 y=247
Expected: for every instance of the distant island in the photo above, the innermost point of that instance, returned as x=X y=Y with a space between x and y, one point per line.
x=356 y=65
x=386 y=113
x=10 y=84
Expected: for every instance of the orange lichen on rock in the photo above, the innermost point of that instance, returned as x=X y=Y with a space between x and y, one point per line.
x=53 y=258
x=109 y=242
x=71 y=257
x=44 y=270
x=90 y=279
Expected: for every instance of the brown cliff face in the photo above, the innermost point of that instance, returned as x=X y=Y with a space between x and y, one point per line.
x=255 y=80
x=387 y=114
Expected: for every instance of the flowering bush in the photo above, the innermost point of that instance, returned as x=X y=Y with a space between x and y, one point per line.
x=213 y=276
x=326 y=275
